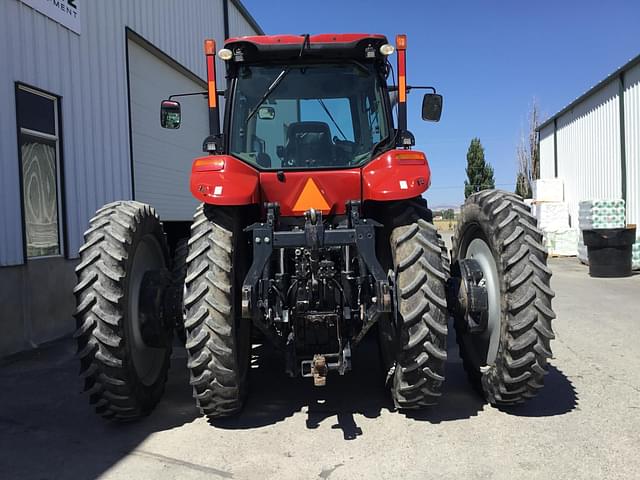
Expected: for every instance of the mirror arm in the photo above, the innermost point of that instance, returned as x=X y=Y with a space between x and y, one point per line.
x=204 y=94
x=412 y=87
x=394 y=88
x=171 y=97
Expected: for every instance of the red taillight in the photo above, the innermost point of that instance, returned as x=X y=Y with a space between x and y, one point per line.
x=208 y=164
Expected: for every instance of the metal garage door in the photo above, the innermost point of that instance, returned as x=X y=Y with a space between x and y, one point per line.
x=162 y=158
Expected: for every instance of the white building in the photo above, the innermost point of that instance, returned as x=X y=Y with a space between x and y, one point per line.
x=80 y=87
x=593 y=144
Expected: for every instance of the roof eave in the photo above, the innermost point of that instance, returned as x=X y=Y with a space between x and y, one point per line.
x=613 y=76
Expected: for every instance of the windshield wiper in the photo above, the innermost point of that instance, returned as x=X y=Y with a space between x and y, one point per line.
x=268 y=92
x=279 y=78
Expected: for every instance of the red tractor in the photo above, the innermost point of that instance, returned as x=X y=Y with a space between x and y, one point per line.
x=312 y=231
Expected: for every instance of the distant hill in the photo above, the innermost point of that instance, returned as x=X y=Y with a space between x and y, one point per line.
x=456 y=208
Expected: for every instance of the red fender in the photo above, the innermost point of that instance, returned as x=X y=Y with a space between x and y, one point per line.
x=224 y=180
x=396 y=175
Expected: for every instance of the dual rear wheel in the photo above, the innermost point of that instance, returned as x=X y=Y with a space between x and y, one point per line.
x=123 y=346
x=507 y=361
x=125 y=328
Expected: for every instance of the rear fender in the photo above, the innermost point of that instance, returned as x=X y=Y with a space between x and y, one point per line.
x=396 y=175
x=224 y=180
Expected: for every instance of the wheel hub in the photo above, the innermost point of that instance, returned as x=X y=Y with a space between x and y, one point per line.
x=144 y=315
x=467 y=296
x=151 y=308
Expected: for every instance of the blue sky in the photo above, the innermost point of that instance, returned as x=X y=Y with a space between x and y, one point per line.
x=489 y=59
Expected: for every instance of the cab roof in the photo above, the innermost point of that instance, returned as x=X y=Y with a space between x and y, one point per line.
x=285 y=46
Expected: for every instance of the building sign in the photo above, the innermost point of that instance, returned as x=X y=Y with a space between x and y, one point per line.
x=65 y=12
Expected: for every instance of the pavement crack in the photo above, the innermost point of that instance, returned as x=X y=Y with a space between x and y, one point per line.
x=182 y=463
x=625 y=383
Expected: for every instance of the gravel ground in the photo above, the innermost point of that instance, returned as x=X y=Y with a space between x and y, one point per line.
x=584 y=424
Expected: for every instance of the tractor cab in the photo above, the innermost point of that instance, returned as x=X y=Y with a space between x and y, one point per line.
x=314 y=112
x=307 y=104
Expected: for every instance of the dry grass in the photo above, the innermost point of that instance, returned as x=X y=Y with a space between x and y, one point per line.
x=445 y=225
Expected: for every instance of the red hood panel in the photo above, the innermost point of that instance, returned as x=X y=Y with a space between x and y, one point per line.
x=336 y=187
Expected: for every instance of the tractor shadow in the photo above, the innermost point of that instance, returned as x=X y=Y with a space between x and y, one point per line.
x=48 y=429
x=558 y=397
x=274 y=396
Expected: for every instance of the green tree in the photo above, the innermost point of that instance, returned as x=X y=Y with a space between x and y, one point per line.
x=479 y=172
x=448 y=214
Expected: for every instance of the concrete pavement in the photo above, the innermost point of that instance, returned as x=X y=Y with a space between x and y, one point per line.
x=584 y=424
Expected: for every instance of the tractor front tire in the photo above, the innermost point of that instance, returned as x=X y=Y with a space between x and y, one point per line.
x=421 y=323
x=124 y=376
x=507 y=362
x=218 y=339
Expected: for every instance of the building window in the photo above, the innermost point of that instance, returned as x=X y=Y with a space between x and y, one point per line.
x=38 y=127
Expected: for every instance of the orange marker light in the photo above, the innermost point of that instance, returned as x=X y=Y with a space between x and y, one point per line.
x=410 y=158
x=311 y=197
x=208 y=164
x=209 y=47
x=401 y=47
x=210 y=52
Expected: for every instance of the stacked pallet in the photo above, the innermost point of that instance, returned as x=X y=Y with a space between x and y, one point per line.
x=594 y=214
x=552 y=213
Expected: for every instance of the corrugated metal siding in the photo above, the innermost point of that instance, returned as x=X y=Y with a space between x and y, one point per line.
x=588 y=139
x=547 y=161
x=162 y=159
x=10 y=220
x=238 y=25
x=632 y=142
x=89 y=72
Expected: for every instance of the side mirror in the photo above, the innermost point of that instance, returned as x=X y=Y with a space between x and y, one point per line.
x=267 y=113
x=170 y=114
x=432 y=107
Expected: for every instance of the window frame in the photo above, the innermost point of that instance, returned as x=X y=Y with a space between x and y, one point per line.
x=387 y=110
x=57 y=140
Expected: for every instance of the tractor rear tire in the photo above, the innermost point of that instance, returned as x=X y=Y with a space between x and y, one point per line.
x=218 y=338
x=507 y=362
x=421 y=324
x=123 y=376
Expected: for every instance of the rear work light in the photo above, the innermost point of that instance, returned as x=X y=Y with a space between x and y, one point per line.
x=225 y=54
x=387 y=49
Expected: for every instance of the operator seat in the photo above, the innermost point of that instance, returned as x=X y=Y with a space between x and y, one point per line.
x=308 y=144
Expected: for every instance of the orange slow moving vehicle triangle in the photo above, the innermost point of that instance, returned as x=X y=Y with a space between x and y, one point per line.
x=311 y=197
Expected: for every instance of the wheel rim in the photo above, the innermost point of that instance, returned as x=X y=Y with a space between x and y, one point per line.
x=486 y=343
x=147 y=361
